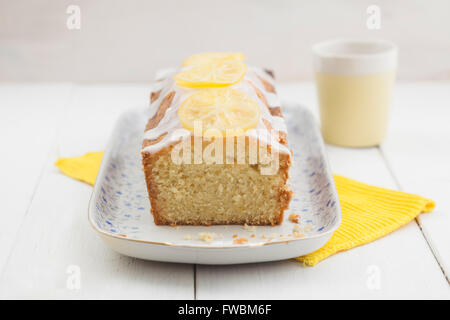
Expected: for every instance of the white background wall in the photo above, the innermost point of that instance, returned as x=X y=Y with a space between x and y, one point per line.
x=129 y=40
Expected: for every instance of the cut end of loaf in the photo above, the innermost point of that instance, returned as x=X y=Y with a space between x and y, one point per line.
x=211 y=194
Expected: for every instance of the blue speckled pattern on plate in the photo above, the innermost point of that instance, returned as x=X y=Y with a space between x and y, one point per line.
x=120 y=205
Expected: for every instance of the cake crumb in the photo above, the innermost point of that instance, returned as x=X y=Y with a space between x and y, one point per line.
x=249 y=228
x=235 y=235
x=206 y=237
x=263 y=236
x=240 y=241
x=253 y=235
x=298 y=234
x=187 y=237
x=293 y=217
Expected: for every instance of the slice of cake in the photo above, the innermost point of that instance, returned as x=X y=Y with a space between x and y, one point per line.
x=214 y=148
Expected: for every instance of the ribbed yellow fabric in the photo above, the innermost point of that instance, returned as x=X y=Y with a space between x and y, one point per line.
x=84 y=168
x=368 y=212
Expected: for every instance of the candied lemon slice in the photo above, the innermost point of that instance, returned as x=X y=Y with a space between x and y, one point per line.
x=211 y=57
x=226 y=110
x=219 y=73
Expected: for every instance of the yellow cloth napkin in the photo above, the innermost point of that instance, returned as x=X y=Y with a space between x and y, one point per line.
x=84 y=168
x=368 y=212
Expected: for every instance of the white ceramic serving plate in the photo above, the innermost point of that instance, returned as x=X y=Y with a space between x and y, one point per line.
x=119 y=209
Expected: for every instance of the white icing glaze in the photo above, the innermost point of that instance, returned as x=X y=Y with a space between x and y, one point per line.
x=171 y=124
x=278 y=124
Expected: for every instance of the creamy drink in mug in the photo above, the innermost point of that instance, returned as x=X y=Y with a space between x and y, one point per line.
x=354 y=83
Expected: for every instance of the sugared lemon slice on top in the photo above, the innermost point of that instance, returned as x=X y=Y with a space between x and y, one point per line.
x=220 y=73
x=210 y=57
x=226 y=110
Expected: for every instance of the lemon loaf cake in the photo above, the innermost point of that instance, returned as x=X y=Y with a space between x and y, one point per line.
x=215 y=144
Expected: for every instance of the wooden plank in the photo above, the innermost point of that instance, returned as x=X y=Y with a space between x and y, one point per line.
x=93 y=111
x=418 y=152
x=56 y=244
x=55 y=237
x=390 y=267
x=28 y=116
x=56 y=247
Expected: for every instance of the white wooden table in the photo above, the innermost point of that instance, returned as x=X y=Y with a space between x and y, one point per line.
x=45 y=237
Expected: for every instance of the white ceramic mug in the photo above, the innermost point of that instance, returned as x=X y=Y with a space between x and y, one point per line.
x=354 y=83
